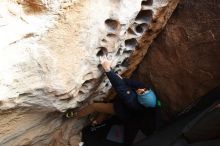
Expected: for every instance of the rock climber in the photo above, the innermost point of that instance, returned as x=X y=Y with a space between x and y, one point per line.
x=133 y=97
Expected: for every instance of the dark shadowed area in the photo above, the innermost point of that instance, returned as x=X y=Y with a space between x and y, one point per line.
x=183 y=63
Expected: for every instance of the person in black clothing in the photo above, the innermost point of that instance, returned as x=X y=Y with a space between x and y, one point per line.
x=134 y=103
x=133 y=97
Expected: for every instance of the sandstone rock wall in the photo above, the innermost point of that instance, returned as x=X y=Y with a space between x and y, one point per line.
x=183 y=63
x=51 y=50
x=49 y=60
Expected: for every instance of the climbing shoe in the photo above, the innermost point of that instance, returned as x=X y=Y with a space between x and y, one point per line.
x=70 y=113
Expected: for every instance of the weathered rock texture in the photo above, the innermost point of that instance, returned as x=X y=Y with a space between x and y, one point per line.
x=49 y=60
x=183 y=63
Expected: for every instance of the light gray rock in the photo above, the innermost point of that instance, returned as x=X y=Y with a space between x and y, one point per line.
x=49 y=60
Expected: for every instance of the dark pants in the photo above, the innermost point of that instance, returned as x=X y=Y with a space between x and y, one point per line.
x=144 y=121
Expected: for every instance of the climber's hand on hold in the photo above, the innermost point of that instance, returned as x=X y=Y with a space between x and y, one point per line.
x=106 y=63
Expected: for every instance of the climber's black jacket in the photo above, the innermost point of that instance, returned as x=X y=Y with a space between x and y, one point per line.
x=127 y=101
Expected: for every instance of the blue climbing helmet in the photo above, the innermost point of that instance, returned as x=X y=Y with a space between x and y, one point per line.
x=148 y=98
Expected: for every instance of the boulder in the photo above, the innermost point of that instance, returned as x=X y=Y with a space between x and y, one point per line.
x=49 y=60
x=182 y=63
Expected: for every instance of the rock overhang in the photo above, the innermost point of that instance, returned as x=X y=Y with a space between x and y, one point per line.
x=50 y=50
x=49 y=60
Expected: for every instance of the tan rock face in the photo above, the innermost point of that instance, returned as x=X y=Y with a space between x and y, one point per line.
x=183 y=62
x=49 y=60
